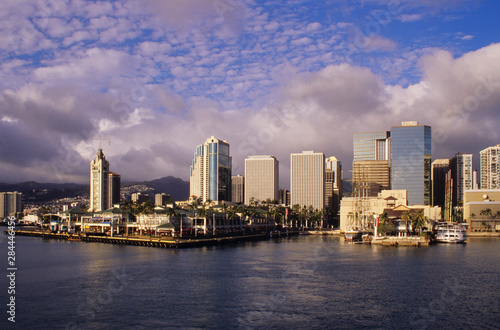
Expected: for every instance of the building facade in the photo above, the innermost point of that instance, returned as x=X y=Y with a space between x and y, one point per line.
x=490 y=167
x=10 y=204
x=333 y=187
x=438 y=177
x=99 y=183
x=482 y=209
x=261 y=179
x=411 y=151
x=210 y=173
x=307 y=179
x=238 y=189
x=162 y=199
x=370 y=166
x=114 y=189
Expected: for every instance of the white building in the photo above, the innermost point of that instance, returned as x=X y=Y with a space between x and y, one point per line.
x=490 y=167
x=307 y=182
x=261 y=178
x=99 y=183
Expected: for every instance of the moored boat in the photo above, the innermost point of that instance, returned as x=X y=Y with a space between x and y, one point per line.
x=451 y=233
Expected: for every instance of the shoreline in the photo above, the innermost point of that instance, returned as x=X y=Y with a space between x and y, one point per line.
x=162 y=242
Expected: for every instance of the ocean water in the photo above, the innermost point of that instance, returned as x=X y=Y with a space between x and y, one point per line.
x=305 y=282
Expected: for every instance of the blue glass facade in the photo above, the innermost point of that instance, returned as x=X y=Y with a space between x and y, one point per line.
x=370 y=146
x=411 y=162
x=219 y=171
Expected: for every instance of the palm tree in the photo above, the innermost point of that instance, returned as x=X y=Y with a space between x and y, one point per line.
x=407 y=217
x=419 y=220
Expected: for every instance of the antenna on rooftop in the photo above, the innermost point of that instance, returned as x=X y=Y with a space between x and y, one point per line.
x=101 y=139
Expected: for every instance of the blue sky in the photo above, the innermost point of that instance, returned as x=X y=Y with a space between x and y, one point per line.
x=158 y=77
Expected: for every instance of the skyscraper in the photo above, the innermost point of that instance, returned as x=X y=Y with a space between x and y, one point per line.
x=261 y=178
x=10 y=204
x=411 y=149
x=210 y=173
x=458 y=179
x=307 y=182
x=114 y=189
x=238 y=189
x=438 y=177
x=333 y=187
x=370 y=166
x=99 y=183
x=490 y=167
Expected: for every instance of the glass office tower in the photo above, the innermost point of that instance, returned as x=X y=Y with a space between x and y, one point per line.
x=411 y=161
x=210 y=177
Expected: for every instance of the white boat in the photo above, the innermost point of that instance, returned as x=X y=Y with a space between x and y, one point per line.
x=353 y=234
x=451 y=233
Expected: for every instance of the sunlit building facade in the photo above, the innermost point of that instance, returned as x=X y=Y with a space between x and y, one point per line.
x=99 y=183
x=411 y=150
x=261 y=179
x=490 y=167
x=307 y=182
x=210 y=172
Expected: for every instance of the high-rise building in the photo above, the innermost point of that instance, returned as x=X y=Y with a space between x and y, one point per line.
x=462 y=175
x=210 y=173
x=238 y=189
x=333 y=188
x=10 y=204
x=261 y=179
x=307 y=182
x=438 y=177
x=114 y=189
x=411 y=150
x=490 y=167
x=162 y=199
x=139 y=197
x=284 y=197
x=370 y=166
x=99 y=183
x=458 y=179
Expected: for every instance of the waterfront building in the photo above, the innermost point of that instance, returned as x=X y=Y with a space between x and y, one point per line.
x=114 y=189
x=10 y=204
x=210 y=172
x=370 y=166
x=490 y=167
x=411 y=150
x=482 y=209
x=438 y=178
x=307 y=181
x=360 y=212
x=238 y=189
x=99 y=183
x=162 y=199
x=261 y=179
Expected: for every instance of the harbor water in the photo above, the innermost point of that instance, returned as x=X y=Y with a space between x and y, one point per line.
x=304 y=282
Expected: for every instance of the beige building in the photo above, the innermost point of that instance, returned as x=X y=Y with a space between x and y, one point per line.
x=238 y=189
x=370 y=177
x=10 y=204
x=261 y=178
x=99 y=183
x=307 y=182
x=482 y=209
x=359 y=212
x=490 y=167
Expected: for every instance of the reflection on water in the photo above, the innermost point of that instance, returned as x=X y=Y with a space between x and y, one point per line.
x=298 y=282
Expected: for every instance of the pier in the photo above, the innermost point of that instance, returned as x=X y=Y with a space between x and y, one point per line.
x=154 y=241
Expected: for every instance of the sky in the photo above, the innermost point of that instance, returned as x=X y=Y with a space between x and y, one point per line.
x=150 y=80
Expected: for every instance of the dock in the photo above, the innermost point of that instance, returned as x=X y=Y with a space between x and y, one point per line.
x=161 y=242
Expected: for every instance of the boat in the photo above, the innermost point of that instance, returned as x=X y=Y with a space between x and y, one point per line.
x=353 y=234
x=75 y=239
x=451 y=233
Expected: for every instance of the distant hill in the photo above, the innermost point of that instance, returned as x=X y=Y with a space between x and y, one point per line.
x=44 y=192
x=175 y=187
